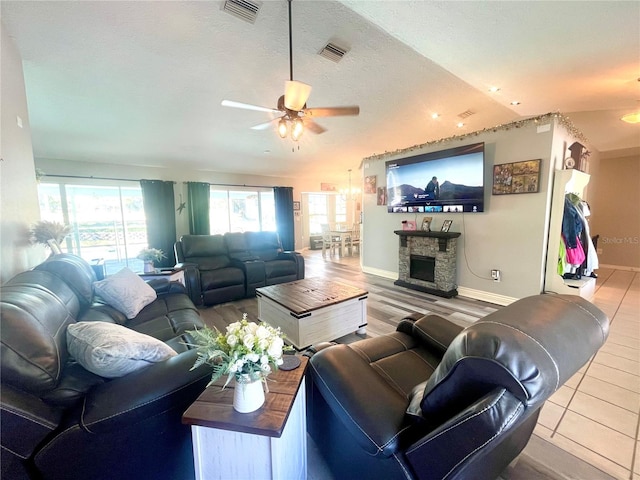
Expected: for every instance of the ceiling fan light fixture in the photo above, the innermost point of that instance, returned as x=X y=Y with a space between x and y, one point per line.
x=283 y=129
x=631 y=117
x=296 y=94
x=297 y=129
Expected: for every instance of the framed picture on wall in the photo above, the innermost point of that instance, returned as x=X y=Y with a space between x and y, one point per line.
x=370 y=184
x=296 y=205
x=517 y=177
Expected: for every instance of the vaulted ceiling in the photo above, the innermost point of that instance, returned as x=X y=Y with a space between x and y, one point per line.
x=140 y=83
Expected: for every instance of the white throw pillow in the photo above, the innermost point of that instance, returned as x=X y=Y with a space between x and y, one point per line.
x=126 y=292
x=111 y=350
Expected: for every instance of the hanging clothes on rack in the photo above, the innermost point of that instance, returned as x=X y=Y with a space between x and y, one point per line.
x=572 y=229
x=591 y=262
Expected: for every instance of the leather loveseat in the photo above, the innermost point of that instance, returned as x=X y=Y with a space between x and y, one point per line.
x=223 y=268
x=434 y=401
x=60 y=420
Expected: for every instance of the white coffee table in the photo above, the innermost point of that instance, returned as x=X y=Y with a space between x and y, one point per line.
x=313 y=310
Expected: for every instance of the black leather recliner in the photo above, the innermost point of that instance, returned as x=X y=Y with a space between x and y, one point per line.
x=213 y=276
x=222 y=268
x=60 y=421
x=434 y=401
x=278 y=266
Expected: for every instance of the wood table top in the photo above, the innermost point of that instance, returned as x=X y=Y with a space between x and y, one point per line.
x=303 y=296
x=214 y=407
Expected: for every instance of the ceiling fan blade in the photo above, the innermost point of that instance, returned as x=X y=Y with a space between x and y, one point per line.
x=248 y=106
x=265 y=125
x=314 y=127
x=296 y=94
x=332 y=111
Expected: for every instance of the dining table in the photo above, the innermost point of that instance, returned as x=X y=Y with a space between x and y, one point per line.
x=344 y=234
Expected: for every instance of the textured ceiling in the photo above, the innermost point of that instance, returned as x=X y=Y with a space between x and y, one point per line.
x=140 y=83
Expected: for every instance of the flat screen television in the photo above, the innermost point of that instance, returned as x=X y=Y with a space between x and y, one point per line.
x=449 y=181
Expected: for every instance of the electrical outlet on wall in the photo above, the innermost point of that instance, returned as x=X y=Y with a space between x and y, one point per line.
x=495 y=275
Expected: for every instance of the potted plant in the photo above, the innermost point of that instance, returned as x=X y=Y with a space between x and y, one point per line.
x=150 y=255
x=50 y=234
x=247 y=352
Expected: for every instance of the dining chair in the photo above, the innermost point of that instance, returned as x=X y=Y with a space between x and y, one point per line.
x=328 y=240
x=354 y=238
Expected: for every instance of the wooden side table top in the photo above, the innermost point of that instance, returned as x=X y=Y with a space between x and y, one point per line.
x=162 y=272
x=214 y=407
x=310 y=294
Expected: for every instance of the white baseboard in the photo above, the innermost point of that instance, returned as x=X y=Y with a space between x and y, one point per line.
x=620 y=267
x=485 y=296
x=462 y=291
x=380 y=273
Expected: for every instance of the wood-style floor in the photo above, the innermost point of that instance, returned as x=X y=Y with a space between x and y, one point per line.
x=386 y=303
x=549 y=454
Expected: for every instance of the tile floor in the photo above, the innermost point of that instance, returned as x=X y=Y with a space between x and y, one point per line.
x=595 y=415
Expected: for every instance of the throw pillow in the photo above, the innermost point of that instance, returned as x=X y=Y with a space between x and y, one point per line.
x=126 y=292
x=111 y=350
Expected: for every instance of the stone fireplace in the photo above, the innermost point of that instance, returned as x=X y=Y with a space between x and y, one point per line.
x=427 y=261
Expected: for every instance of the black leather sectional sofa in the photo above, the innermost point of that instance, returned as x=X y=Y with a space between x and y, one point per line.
x=60 y=420
x=223 y=268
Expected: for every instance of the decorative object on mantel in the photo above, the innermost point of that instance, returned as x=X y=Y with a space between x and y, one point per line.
x=516 y=177
x=50 y=234
x=446 y=225
x=562 y=120
x=408 y=225
x=247 y=352
x=150 y=255
x=426 y=224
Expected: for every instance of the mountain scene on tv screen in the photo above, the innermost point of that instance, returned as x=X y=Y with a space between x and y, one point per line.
x=448 y=191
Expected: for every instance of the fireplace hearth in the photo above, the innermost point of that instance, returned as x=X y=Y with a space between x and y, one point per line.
x=427 y=261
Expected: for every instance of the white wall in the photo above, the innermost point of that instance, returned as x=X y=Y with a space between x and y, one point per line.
x=510 y=235
x=18 y=187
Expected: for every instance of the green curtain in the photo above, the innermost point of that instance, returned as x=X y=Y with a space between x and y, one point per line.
x=283 y=197
x=198 y=208
x=160 y=213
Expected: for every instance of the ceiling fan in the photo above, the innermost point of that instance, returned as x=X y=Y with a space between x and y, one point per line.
x=294 y=116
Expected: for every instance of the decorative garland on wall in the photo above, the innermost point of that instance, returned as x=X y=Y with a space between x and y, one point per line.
x=562 y=120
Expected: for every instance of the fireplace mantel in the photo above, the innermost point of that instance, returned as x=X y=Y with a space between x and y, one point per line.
x=423 y=233
x=417 y=245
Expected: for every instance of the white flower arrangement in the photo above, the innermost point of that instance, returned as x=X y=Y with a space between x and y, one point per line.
x=246 y=352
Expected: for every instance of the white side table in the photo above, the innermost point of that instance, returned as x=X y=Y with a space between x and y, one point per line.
x=270 y=443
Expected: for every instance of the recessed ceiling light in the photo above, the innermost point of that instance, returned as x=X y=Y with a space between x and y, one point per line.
x=515 y=102
x=460 y=125
x=494 y=89
x=435 y=115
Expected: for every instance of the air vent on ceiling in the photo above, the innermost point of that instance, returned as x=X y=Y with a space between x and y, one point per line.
x=246 y=10
x=466 y=114
x=333 y=52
